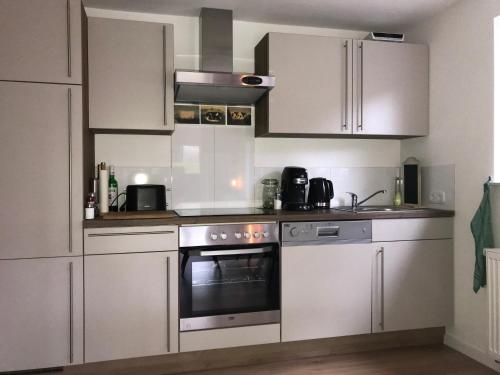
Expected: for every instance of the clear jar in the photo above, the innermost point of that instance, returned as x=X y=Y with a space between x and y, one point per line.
x=269 y=192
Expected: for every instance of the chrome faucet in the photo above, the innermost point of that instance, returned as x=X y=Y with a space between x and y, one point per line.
x=354 y=198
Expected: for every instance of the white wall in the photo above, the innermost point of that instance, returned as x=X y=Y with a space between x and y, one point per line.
x=461 y=123
x=307 y=152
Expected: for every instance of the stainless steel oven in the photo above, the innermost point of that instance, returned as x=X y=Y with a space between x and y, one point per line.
x=229 y=275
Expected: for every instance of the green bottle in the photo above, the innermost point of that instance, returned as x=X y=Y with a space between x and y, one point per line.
x=112 y=190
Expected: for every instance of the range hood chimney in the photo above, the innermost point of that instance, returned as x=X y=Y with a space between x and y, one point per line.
x=216 y=40
x=216 y=83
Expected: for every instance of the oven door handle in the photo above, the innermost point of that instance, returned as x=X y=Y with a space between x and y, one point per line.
x=235 y=252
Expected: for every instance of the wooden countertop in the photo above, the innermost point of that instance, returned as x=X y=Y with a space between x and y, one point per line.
x=316 y=215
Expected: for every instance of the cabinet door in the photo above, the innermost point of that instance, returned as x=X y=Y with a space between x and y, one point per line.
x=130 y=305
x=326 y=291
x=131 y=70
x=40 y=147
x=391 y=89
x=41 y=41
x=41 y=313
x=313 y=84
x=415 y=285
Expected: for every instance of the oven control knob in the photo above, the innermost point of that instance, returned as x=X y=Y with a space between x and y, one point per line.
x=214 y=236
x=237 y=235
x=247 y=235
x=265 y=234
x=294 y=232
x=223 y=236
x=256 y=235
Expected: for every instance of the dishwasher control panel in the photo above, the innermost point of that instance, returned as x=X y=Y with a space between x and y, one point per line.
x=298 y=233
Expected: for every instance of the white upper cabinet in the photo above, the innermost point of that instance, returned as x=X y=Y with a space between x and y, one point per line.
x=131 y=72
x=41 y=41
x=41 y=163
x=391 y=89
x=331 y=87
x=313 y=85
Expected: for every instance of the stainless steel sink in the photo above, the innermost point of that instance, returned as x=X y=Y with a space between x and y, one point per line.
x=378 y=209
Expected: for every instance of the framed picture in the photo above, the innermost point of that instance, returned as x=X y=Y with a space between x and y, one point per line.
x=213 y=114
x=239 y=116
x=187 y=114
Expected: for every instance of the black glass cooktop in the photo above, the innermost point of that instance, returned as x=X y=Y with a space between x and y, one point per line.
x=192 y=212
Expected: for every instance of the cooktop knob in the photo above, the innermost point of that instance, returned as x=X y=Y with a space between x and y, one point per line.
x=294 y=231
x=247 y=235
x=214 y=236
x=237 y=235
x=265 y=234
x=223 y=236
x=256 y=235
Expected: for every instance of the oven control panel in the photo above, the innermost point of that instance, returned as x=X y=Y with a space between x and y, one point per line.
x=228 y=234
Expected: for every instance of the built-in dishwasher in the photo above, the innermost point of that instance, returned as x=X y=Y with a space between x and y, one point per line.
x=326 y=288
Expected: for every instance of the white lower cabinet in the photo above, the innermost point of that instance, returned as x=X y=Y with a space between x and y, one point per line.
x=326 y=291
x=131 y=305
x=413 y=285
x=41 y=306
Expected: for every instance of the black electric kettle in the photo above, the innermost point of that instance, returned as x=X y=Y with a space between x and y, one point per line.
x=320 y=192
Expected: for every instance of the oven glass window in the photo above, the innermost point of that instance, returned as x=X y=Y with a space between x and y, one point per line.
x=213 y=285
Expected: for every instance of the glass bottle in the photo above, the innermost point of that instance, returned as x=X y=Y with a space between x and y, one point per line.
x=269 y=192
x=398 y=182
x=112 y=190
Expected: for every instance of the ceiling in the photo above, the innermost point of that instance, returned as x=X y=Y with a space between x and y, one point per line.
x=369 y=15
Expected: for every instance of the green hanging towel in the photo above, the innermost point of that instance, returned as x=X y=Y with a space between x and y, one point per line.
x=482 y=230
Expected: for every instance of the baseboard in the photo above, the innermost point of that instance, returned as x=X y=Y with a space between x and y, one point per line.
x=471 y=351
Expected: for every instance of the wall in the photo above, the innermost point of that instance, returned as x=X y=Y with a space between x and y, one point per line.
x=461 y=116
x=269 y=153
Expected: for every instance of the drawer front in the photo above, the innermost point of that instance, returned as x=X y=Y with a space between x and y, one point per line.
x=229 y=337
x=412 y=229
x=130 y=239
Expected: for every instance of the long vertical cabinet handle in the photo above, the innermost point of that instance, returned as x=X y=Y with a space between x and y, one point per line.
x=68 y=34
x=168 y=304
x=346 y=84
x=359 y=107
x=70 y=312
x=164 y=75
x=70 y=169
x=381 y=278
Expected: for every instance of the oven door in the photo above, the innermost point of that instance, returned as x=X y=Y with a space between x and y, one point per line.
x=229 y=286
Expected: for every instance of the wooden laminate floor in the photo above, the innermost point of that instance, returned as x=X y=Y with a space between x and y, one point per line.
x=425 y=360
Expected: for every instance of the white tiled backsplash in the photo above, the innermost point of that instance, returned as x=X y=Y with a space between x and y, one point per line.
x=362 y=181
x=221 y=166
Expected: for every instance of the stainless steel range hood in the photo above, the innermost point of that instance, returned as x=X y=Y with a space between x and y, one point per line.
x=216 y=83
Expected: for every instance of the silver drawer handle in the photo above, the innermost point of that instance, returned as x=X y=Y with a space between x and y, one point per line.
x=129 y=233
x=68 y=34
x=235 y=252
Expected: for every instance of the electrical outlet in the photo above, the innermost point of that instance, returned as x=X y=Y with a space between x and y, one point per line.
x=437 y=197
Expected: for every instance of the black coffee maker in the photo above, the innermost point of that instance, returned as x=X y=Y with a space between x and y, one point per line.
x=293 y=189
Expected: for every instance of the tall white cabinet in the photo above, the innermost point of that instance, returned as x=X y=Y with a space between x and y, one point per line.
x=41 y=265
x=41 y=163
x=41 y=41
x=41 y=308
